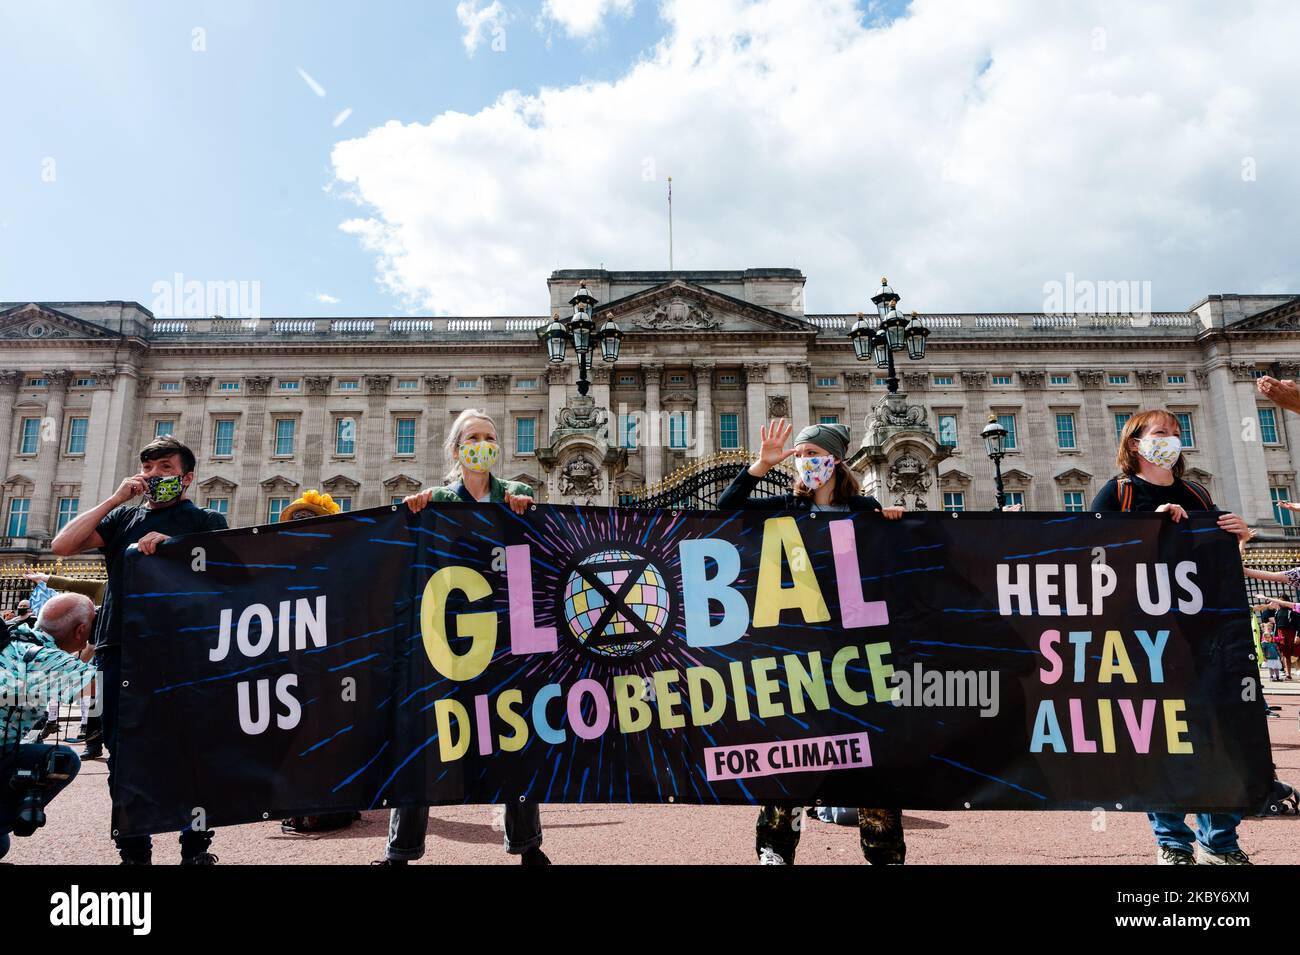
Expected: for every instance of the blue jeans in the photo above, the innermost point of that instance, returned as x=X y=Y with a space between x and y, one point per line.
x=1216 y=831
x=27 y=754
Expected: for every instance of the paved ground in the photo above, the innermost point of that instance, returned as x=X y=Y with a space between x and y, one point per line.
x=78 y=821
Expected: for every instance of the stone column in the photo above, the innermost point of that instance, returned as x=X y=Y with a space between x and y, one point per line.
x=194 y=411
x=1039 y=441
x=704 y=409
x=248 y=496
x=1239 y=467
x=755 y=403
x=99 y=440
x=127 y=395
x=601 y=373
x=798 y=373
x=497 y=388
x=40 y=522
x=8 y=397
x=375 y=446
x=1097 y=428
x=557 y=380
x=859 y=383
x=315 y=425
x=435 y=430
x=1150 y=381
x=650 y=436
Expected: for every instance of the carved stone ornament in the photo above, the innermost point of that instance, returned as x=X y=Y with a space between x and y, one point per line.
x=257 y=384
x=908 y=474
x=557 y=375
x=1032 y=379
x=1091 y=377
x=437 y=384
x=496 y=384
x=778 y=406
x=581 y=413
x=317 y=385
x=580 y=476
x=1150 y=377
x=798 y=370
x=197 y=384
x=378 y=384
x=676 y=314
x=973 y=380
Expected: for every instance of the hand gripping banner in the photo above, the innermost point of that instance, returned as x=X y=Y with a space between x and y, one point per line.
x=574 y=654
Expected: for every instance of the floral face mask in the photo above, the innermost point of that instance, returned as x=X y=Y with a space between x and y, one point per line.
x=1161 y=451
x=815 y=471
x=163 y=488
x=478 y=455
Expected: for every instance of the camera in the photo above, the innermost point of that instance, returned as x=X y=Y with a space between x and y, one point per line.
x=38 y=769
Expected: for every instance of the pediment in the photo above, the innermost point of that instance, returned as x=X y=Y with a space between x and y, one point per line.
x=1284 y=317
x=683 y=308
x=18 y=479
x=36 y=322
x=340 y=482
x=955 y=476
x=1072 y=476
x=1017 y=476
x=400 y=482
x=217 y=483
x=1199 y=475
x=279 y=482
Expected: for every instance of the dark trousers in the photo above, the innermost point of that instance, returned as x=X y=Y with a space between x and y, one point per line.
x=27 y=754
x=880 y=831
x=132 y=848
x=407 y=826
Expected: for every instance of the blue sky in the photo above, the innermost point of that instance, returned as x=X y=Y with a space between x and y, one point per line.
x=975 y=151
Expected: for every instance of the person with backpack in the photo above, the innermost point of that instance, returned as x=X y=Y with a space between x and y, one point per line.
x=1151 y=478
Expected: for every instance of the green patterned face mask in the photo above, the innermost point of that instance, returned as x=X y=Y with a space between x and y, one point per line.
x=478 y=455
x=163 y=489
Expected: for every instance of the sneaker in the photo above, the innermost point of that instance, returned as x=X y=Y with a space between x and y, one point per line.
x=769 y=856
x=389 y=862
x=534 y=856
x=202 y=858
x=1171 y=855
x=1236 y=857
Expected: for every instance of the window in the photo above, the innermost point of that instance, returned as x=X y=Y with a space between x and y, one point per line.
x=405 y=436
x=883 y=381
x=345 y=436
x=407 y=384
x=627 y=431
x=1060 y=379
x=948 y=430
x=1268 y=426
x=227 y=386
x=18 y=509
x=351 y=384
x=627 y=379
x=164 y=426
x=169 y=386
x=938 y=380
x=31 y=438
x=223 y=438
x=525 y=435
x=1016 y=497
x=1280 y=514
x=954 y=500
x=828 y=419
x=1002 y=379
x=727 y=378
x=526 y=384
x=1008 y=421
x=219 y=504
x=273 y=508
x=1177 y=379
x=77 y=428
x=1065 y=432
x=829 y=381
x=1257 y=373
x=86 y=382
x=1074 y=500
x=284 y=429
x=466 y=384
x=290 y=384
x=1117 y=379
x=676 y=379
x=344 y=503
x=67 y=511
x=728 y=432
x=1185 y=426
x=677 y=430
x=396 y=499
x=38 y=382
x=1121 y=419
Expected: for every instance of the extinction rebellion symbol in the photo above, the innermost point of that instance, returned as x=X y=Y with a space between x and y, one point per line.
x=616 y=604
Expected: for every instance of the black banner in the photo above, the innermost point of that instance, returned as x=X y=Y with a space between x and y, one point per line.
x=471 y=655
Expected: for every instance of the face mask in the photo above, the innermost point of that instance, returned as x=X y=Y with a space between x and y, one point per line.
x=1161 y=451
x=478 y=455
x=161 y=489
x=815 y=471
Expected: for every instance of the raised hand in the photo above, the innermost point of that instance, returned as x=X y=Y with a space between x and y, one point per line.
x=1285 y=392
x=772 y=450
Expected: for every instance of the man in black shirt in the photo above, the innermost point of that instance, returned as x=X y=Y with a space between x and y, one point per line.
x=113 y=526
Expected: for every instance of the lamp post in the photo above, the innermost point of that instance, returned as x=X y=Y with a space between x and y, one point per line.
x=995 y=442
x=581 y=332
x=893 y=334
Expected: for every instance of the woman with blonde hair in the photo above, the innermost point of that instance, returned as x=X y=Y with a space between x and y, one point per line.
x=472 y=448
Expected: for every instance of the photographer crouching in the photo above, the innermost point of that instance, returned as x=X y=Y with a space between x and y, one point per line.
x=31 y=674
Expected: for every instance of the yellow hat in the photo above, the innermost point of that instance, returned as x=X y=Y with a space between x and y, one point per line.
x=311 y=504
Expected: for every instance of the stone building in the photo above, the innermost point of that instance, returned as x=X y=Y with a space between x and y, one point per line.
x=359 y=407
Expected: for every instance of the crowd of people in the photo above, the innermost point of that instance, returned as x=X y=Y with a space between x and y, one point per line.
x=55 y=655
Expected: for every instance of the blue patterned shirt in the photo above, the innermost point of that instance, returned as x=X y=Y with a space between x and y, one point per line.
x=27 y=688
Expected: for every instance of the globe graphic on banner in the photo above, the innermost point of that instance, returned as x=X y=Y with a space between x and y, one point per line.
x=647 y=598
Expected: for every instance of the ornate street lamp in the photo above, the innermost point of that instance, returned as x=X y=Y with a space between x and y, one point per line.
x=581 y=332
x=995 y=443
x=893 y=334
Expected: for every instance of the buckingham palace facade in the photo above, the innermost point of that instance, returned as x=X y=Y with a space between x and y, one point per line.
x=359 y=407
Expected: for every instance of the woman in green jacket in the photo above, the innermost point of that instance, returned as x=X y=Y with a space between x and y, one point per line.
x=473 y=449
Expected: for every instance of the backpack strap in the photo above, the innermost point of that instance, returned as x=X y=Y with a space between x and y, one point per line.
x=1200 y=493
x=1125 y=488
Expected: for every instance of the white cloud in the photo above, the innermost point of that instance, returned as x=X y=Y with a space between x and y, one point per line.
x=326 y=299
x=582 y=18
x=972 y=152
x=315 y=87
x=479 y=22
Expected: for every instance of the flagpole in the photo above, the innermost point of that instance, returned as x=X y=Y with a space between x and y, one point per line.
x=670 y=223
